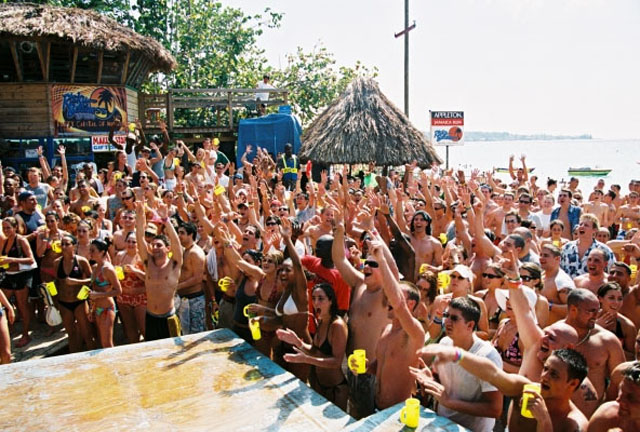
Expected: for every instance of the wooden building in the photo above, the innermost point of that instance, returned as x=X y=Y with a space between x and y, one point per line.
x=65 y=76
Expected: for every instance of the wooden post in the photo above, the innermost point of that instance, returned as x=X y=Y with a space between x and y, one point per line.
x=230 y=110
x=14 y=54
x=406 y=58
x=100 y=62
x=170 y=109
x=126 y=68
x=48 y=61
x=73 y=64
x=43 y=67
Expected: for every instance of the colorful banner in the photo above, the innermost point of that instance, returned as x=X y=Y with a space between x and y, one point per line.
x=447 y=128
x=86 y=110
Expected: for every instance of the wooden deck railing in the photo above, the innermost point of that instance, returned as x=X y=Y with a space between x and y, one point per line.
x=214 y=106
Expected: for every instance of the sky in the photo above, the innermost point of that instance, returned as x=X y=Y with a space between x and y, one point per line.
x=522 y=66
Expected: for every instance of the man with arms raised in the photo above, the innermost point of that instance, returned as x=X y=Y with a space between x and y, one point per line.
x=600 y=347
x=190 y=299
x=623 y=414
x=162 y=275
x=427 y=248
x=400 y=340
x=461 y=396
x=552 y=409
x=557 y=283
x=367 y=319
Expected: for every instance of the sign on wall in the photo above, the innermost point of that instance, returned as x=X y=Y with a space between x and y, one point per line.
x=100 y=143
x=447 y=128
x=87 y=109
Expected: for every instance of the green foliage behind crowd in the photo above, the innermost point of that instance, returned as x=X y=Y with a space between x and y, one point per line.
x=218 y=46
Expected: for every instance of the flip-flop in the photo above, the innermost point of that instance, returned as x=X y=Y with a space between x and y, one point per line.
x=23 y=342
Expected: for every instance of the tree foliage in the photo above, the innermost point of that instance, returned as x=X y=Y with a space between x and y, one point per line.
x=217 y=46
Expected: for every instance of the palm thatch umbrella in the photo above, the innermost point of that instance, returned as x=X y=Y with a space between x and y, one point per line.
x=362 y=125
x=81 y=27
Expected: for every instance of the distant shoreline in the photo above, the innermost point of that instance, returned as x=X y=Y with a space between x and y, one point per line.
x=506 y=136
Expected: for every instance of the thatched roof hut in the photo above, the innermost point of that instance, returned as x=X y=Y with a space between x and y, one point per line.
x=362 y=125
x=80 y=27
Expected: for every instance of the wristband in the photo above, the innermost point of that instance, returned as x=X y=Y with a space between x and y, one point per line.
x=514 y=284
x=458 y=358
x=437 y=321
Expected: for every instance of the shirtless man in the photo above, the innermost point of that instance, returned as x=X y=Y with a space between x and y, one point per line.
x=325 y=227
x=623 y=414
x=598 y=208
x=84 y=200
x=595 y=276
x=600 y=347
x=427 y=248
x=616 y=375
x=400 y=340
x=621 y=273
x=496 y=220
x=128 y=221
x=162 y=275
x=367 y=319
x=557 y=284
x=566 y=212
x=190 y=298
x=627 y=215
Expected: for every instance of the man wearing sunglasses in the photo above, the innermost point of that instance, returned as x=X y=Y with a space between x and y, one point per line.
x=461 y=396
x=524 y=211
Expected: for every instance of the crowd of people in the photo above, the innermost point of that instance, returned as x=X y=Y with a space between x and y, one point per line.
x=461 y=290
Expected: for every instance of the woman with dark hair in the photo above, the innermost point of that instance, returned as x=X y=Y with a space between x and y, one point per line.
x=104 y=287
x=85 y=232
x=531 y=274
x=427 y=283
x=271 y=235
x=492 y=279
x=120 y=163
x=610 y=296
x=15 y=253
x=48 y=247
x=71 y=272
x=133 y=300
x=327 y=350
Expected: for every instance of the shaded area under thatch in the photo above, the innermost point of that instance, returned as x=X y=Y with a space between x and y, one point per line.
x=82 y=27
x=362 y=125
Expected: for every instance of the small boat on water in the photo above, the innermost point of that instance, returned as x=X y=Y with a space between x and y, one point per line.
x=588 y=171
x=506 y=170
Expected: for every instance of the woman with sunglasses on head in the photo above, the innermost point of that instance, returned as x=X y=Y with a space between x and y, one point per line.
x=531 y=275
x=492 y=279
x=104 y=287
x=427 y=283
x=71 y=273
x=14 y=253
x=271 y=238
x=84 y=232
x=132 y=303
x=609 y=317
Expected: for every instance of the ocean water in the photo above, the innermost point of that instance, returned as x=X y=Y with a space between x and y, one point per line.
x=552 y=158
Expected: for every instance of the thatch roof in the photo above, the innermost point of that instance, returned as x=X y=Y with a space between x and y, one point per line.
x=362 y=125
x=82 y=27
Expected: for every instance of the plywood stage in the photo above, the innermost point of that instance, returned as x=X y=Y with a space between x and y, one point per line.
x=207 y=381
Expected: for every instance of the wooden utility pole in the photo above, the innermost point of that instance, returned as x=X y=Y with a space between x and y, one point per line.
x=405 y=32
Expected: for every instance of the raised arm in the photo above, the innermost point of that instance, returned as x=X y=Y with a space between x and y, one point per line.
x=350 y=275
x=176 y=247
x=115 y=125
x=140 y=227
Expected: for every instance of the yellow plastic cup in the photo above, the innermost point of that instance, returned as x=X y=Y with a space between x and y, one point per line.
x=4 y=265
x=629 y=225
x=176 y=161
x=526 y=395
x=132 y=127
x=51 y=287
x=410 y=413
x=360 y=357
x=443 y=238
x=225 y=283
x=254 y=326
x=119 y=272
x=219 y=190
x=246 y=312
x=56 y=246
x=557 y=243
x=423 y=268
x=634 y=271
x=443 y=281
x=85 y=209
x=83 y=294
x=117 y=176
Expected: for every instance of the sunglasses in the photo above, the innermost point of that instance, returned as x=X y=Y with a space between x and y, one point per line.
x=528 y=278
x=372 y=264
x=271 y=223
x=524 y=202
x=127 y=197
x=454 y=318
x=491 y=276
x=453 y=276
x=149 y=234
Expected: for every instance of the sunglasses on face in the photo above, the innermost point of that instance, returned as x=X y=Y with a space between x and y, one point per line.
x=127 y=197
x=271 y=223
x=453 y=318
x=372 y=264
x=491 y=276
x=527 y=278
x=524 y=202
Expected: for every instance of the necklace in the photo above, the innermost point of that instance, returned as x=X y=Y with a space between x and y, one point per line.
x=584 y=338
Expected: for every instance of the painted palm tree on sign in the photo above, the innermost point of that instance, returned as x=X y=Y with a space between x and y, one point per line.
x=105 y=98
